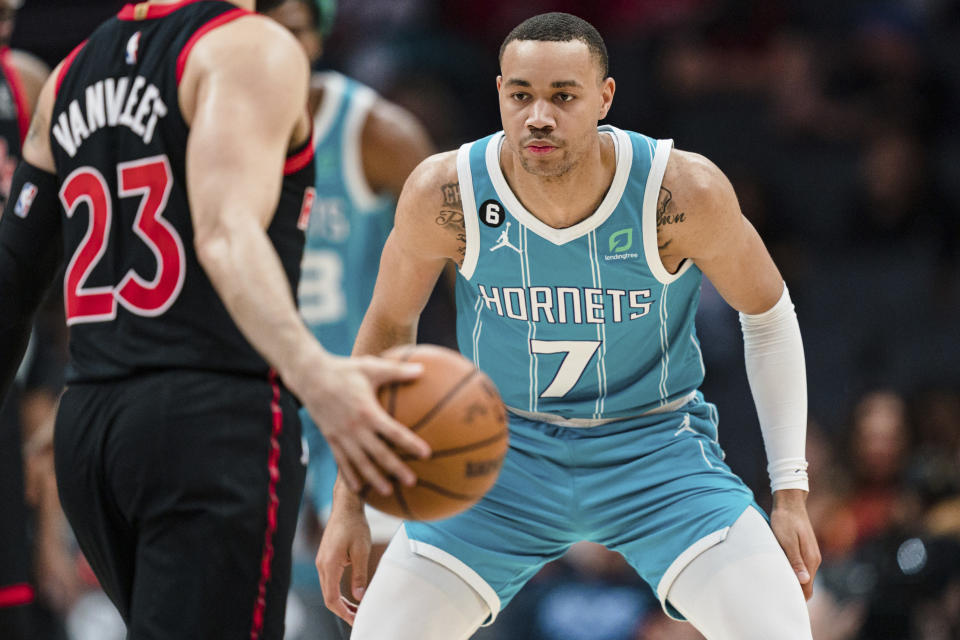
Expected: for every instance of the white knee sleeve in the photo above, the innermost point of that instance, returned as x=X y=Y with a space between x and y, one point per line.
x=743 y=588
x=414 y=598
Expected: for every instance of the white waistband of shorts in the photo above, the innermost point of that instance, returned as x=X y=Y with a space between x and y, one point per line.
x=586 y=423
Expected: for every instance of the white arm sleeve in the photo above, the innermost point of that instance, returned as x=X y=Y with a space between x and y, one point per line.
x=777 y=375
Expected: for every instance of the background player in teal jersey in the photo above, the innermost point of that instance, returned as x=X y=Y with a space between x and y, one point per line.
x=580 y=253
x=365 y=148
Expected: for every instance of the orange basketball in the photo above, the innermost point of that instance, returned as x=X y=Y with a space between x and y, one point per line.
x=456 y=408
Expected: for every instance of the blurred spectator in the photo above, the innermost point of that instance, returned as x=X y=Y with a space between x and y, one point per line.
x=877 y=455
x=590 y=594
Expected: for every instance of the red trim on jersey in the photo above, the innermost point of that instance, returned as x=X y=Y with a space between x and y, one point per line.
x=300 y=159
x=220 y=20
x=152 y=11
x=273 y=502
x=16 y=595
x=16 y=87
x=66 y=65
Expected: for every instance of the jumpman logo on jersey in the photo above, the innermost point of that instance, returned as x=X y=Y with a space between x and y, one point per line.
x=685 y=426
x=504 y=240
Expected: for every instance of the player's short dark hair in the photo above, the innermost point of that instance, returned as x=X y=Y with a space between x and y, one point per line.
x=263 y=6
x=560 y=27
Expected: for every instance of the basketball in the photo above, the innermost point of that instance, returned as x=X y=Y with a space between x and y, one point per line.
x=457 y=409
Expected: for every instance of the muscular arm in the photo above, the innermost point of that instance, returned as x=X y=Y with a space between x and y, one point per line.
x=428 y=233
x=245 y=105
x=698 y=218
x=427 y=236
x=234 y=178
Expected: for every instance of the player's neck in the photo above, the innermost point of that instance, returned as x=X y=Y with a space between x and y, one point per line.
x=565 y=200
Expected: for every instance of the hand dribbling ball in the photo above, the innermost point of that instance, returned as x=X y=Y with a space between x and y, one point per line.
x=457 y=409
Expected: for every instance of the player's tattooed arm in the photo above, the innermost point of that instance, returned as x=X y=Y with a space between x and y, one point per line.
x=37 y=128
x=450 y=217
x=668 y=213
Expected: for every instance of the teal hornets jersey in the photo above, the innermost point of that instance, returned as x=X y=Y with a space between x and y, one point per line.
x=348 y=223
x=583 y=323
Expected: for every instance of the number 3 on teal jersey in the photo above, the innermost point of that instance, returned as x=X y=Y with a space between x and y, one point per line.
x=321 y=296
x=578 y=356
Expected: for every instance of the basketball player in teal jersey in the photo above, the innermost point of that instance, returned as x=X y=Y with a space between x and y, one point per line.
x=580 y=253
x=365 y=148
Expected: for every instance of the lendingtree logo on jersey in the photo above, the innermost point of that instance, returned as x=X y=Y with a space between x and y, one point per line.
x=620 y=243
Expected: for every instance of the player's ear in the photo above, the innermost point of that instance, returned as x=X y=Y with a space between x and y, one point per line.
x=607 y=90
x=499 y=83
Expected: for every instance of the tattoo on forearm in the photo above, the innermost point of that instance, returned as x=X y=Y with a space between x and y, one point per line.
x=667 y=212
x=451 y=216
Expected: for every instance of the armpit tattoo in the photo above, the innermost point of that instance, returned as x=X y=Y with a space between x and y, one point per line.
x=451 y=216
x=666 y=213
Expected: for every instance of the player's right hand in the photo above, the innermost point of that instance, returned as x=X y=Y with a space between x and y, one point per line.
x=342 y=400
x=345 y=542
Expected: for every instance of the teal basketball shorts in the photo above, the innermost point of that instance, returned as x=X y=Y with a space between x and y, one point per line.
x=653 y=488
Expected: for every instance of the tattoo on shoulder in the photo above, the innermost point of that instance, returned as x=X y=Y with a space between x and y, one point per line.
x=450 y=216
x=666 y=210
x=37 y=128
x=451 y=195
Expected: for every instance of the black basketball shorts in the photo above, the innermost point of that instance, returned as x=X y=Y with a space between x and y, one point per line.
x=182 y=488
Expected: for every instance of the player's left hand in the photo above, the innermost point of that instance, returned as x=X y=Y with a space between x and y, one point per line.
x=791 y=525
x=345 y=543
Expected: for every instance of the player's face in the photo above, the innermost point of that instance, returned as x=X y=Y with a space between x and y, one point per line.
x=552 y=94
x=295 y=16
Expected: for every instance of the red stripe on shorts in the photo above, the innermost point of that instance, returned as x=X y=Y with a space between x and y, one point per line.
x=15 y=595
x=273 y=502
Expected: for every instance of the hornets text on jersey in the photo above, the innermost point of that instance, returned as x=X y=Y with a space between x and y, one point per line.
x=582 y=323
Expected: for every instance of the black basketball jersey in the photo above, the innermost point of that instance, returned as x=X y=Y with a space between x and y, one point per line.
x=135 y=295
x=14 y=120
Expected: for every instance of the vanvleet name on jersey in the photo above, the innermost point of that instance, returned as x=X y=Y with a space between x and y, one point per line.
x=566 y=305
x=108 y=103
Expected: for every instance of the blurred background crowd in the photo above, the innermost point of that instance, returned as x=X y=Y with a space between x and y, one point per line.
x=838 y=123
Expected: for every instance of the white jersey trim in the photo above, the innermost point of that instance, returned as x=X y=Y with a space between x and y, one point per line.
x=355 y=178
x=624 y=153
x=470 y=221
x=334 y=87
x=471 y=577
x=649 y=220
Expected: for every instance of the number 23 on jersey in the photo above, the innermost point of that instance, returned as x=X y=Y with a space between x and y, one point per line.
x=151 y=180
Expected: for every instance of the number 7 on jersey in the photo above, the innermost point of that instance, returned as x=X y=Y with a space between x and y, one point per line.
x=578 y=356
